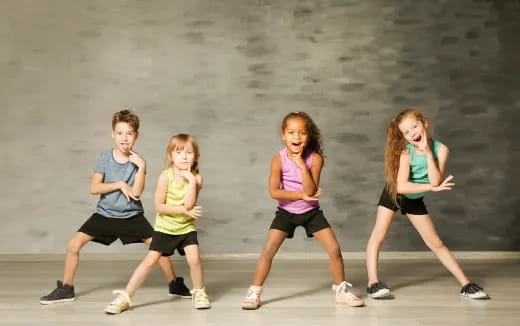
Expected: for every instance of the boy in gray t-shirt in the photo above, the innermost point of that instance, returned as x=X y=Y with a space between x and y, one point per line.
x=119 y=180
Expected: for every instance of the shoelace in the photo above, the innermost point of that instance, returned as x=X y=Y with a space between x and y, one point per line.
x=122 y=297
x=252 y=295
x=342 y=287
x=200 y=296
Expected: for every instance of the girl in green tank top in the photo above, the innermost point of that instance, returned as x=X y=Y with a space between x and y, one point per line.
x=414 y=165
x=175 y=200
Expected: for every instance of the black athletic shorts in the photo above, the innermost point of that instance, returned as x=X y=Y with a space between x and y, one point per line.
x=407 y=205
x=167 y=243
x=312 y=221
x=106 y=230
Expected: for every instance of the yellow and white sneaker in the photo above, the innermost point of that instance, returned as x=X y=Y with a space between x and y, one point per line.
x=343 y=295
x=200 y=299
x=120 y=304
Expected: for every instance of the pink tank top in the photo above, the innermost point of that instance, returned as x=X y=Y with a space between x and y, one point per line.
x=292 y=181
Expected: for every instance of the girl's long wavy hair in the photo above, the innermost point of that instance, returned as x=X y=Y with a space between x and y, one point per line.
x=395 y=145
x=178 y=142
x=315 y=139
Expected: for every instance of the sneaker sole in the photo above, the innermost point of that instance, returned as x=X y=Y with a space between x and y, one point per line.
x=380 y=294
x=481 y=296
x=48 y=302
x=180 y=296
x=352 y=304
x=114 y=312
x=203 y=307
x=250 y=307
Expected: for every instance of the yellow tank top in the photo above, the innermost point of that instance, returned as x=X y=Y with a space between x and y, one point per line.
x=175 y=223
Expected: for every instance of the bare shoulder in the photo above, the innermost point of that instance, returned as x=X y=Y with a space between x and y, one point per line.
x=276 y=160
x=444 y=149
x=317 y=159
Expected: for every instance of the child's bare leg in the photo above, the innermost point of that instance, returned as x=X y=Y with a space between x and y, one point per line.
x=72 y=257
x=196 y=271
x=384 y=220
x=142 y=271
x=330 y=244
x=275 y=239
x=423 y=224
x=165 y=263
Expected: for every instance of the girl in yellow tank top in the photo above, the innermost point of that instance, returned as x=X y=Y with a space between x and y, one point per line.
x=175 y=201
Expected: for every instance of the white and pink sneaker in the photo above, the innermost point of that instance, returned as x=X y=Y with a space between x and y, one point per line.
x=343 y=295
x=252 y=299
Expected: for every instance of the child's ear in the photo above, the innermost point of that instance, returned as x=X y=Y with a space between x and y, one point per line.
x=426 y=124
x=136 y=135
x=113 y=136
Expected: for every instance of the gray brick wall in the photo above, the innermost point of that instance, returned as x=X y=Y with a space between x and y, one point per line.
x=227 y=72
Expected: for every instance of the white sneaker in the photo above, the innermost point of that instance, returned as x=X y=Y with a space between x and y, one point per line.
x=343 y=295
x=120 y=304
x=200 y=299
x=252 y=299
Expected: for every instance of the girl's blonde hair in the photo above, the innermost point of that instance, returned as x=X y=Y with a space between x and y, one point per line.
x=395 y=145
x=178 y=142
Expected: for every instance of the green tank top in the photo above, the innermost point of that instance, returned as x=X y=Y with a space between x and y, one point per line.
x=175 y=223
x=419 y=167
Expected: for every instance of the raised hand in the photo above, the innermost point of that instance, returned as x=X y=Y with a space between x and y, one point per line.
x=445 y=185
x=127 y=191
x=188 y=175
x=313 y=197
x=298 y=159
x=136 y=159
x=195 y=212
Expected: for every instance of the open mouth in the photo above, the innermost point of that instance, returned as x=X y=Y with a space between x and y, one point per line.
x=417 y=138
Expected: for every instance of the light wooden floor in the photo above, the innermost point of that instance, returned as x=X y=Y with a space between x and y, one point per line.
x=296 y=293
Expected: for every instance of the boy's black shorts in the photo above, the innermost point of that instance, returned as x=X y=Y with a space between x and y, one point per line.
x=106 y=230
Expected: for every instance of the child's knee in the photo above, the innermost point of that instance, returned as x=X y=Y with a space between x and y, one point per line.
x=335 y=252
x=194 y=261
x=435 y=244
x=73 y=247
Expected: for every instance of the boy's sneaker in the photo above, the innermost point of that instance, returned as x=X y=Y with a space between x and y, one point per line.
x=252 y=300
x=343 y=295
x=120 y=304
x=378 y=290
x=473 y=291
x=200 y=299
x=62 y=293
x=177 y=288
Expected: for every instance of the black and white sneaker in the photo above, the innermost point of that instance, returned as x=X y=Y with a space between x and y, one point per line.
x=177 y=288
x=473 y=291
x=378 y=290
x=62 y=293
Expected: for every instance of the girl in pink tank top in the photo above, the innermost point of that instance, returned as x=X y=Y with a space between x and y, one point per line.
x=293 y=181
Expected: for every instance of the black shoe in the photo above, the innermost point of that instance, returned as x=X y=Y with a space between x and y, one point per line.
x=178 y=289
x=62 y=293
x=378 y=290
x=473 y=291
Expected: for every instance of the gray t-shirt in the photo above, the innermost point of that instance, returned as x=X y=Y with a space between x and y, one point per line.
x=114 y=204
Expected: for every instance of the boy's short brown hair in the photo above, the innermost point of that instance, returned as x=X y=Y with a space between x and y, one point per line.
x=127 y=116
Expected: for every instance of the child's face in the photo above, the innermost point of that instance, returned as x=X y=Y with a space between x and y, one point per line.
x=184 y=158
x=295 y=135
x=124 y=137
x=412 y=129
